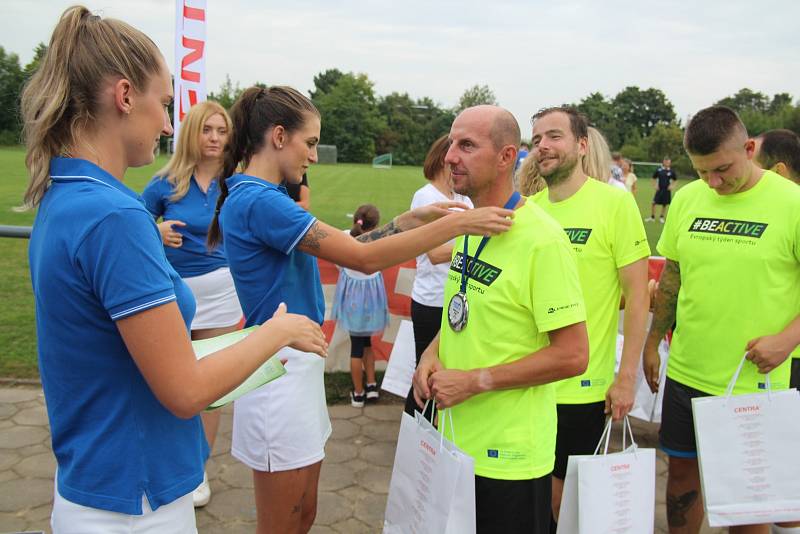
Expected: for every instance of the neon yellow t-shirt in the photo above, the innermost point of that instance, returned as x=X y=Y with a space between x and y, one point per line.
x=739 y=258
x=525 y=284
x=606 y=231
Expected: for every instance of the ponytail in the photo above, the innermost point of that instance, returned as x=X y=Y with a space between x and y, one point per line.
x=255 y=112
x=365 y=218
x=238 y=151
x=60 y=101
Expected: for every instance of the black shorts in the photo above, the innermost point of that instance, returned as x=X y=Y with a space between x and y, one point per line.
x=794 y=381
x=676 y=434
x=579 y=429
x=513 y=506
x=358 y=344
x=662 y=197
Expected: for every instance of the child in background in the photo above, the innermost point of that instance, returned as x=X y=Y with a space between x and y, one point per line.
x=360 y=308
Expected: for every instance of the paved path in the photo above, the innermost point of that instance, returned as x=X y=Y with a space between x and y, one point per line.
x=353 y=485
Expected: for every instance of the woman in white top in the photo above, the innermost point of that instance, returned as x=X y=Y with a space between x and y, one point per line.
x=427 y=295
x=630 y=177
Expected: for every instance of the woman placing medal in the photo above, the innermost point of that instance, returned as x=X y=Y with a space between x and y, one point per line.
x=272 y=244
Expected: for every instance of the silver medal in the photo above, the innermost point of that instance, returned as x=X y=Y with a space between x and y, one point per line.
x=457 y=312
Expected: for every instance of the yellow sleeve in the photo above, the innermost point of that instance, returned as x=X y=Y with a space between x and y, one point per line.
x=668 y=243
x=630 y=240
x=555 y=287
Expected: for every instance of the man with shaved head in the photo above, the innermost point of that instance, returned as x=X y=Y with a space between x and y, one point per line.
x=514 y=325
x=732 y=278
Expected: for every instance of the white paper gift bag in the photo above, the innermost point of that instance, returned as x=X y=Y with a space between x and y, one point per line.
x=747 y=452
x=402 y=362
x=433 y=483
x=646 y=404
x=610 y=493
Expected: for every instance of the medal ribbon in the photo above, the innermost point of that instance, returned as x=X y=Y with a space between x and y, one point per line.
x=510 y=203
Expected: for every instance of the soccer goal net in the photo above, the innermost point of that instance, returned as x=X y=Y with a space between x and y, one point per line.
x=384 y=161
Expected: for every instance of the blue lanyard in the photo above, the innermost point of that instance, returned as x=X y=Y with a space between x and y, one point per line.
x=464 y=274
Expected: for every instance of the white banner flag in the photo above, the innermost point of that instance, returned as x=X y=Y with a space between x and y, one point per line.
x=190 y=57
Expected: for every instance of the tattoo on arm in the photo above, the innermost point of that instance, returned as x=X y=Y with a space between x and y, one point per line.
x=315 y=234
x=666 y=299
x=678 y=506
x=383 y=231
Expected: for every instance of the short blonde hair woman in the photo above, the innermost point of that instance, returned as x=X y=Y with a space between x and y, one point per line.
x=597 y=161
x=184 y=194
x=530 y=181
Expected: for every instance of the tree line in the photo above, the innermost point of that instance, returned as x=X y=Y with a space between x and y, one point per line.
x=639 y=123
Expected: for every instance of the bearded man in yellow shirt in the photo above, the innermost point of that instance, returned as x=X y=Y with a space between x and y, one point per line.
x=514 y=324
x=732 y=279
x=606 y=231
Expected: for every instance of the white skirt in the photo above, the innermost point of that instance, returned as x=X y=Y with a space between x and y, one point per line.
x=217 y=303
x=284 y=424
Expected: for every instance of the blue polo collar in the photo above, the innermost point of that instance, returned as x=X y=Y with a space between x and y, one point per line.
x=239 y=179
x=68 y=170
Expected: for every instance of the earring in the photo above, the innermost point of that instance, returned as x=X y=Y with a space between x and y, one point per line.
x=280 y=146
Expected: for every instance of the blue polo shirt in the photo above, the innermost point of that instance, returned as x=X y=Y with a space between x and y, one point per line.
x=96 y=257
x=261 y=227
x=196 y=209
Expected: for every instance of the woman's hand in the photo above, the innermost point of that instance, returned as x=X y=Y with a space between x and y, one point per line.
x=487 y=221
x=425 y=214
x=303 y=333
x=170 y=237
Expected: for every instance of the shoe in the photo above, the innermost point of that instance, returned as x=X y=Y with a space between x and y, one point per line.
x=202 y=493
x=650 y=219
x=372 y=392
x=661 y=220
x=357 y=399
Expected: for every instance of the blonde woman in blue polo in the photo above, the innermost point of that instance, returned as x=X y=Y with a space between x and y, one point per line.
x=184 y=195
x=121 y=382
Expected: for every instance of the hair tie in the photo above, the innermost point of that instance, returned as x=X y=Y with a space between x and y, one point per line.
x=360 y=222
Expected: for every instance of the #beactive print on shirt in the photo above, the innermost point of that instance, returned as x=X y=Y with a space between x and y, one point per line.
x=477 y=270
x=726 y=227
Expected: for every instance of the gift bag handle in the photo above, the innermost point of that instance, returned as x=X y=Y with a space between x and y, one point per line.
x=606 y=436
x=735 y=377
x=452 y=428
x=444 y=420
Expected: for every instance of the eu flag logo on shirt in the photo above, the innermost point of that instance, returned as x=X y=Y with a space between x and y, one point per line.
x=586 y=383
x=762 y=385
x=492 y=453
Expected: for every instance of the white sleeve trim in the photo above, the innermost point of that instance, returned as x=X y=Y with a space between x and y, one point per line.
x=144 y=306
x=301 y=235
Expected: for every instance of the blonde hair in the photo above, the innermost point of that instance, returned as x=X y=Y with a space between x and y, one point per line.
x=597 y=161
x=60 y=101
x=179 y=169
x=530 y=181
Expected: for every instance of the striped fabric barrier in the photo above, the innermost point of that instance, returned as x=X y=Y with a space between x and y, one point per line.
x=398 y=280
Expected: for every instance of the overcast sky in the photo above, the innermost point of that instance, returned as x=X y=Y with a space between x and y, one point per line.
x=531 y=53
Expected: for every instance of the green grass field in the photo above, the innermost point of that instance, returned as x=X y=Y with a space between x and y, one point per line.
x=337 y=190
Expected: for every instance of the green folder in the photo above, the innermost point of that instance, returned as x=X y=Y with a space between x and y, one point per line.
x=269 y=370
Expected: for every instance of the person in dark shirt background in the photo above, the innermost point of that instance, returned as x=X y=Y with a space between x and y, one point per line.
x=663 y=180
x=300 y=193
